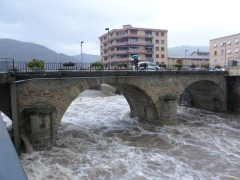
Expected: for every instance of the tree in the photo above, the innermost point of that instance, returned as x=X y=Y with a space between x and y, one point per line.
x=98 y=65
x=35 y=64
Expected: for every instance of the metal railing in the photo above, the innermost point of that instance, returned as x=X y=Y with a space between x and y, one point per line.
x=9 y=65
x=6 y=64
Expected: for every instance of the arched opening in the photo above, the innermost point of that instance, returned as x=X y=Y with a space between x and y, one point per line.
x=204 y=94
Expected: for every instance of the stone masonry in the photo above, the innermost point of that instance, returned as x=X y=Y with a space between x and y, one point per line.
x=153 y=98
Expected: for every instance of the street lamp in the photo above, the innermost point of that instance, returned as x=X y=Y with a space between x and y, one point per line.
x=107 y=29
x=81 y=54
x=185 y=55
x=225 y=53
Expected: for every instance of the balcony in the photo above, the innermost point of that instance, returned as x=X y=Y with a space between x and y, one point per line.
x=113 y=37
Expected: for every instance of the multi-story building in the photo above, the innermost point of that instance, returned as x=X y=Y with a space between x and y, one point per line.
x=119 y=45
x=224 y=51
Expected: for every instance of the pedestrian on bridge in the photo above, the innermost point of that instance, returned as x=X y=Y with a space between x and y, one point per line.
x=136 y=63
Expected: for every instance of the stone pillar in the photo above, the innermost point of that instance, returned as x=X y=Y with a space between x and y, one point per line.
x=168 y=109
x=40 y=126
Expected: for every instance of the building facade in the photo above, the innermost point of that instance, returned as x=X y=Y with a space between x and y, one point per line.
x=119 y=45
x=224 y=51
x=197 y=59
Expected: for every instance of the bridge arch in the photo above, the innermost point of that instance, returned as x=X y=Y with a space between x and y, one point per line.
x=204 y=94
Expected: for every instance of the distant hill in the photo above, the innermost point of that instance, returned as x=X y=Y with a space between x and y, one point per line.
x=25 y=51
x=180 y=50
x=87 y=58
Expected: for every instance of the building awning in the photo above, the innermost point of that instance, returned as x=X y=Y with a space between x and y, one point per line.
x=133 y=53
x=149 y=52
x=124 y=46
x=149 y=47
x=135 y=46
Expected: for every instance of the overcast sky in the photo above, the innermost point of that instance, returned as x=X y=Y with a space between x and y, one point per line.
x=61 y=25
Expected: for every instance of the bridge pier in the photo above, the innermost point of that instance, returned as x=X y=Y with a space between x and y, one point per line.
x=168 y=109
x=40 y=126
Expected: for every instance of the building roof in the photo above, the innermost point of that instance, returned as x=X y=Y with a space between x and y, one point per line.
x=188 y=57
x=200 y=52
x=126 y=27
x=225 y=37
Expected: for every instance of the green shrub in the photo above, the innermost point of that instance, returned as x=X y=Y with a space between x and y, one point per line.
x=36 y=64
x=205 y=65
x=218 y=67
x=98 y=65
x=123 y=64
x=162 y=65
x=178 y=65
x=68 y=64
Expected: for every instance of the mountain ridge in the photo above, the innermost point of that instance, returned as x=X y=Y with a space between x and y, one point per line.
x=26 y=51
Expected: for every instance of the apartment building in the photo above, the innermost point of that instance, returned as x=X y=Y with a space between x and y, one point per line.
x=119 y=45
x=224 y=51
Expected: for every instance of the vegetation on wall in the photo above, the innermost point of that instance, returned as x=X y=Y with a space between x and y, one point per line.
x=36 y=64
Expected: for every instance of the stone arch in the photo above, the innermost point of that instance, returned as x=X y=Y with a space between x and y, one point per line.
x=204 y=94
x=141 y=103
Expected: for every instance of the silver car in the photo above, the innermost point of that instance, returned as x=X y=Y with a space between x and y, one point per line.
x=149 y=66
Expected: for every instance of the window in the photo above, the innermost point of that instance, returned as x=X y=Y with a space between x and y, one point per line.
x=162 y=48
x=157 y=33
x=215 y=53
x=222 y=43
x=162 y=34
x=157 y=55
x=157 y=48
x=133 y=40
x=215 y=44
x=162 y=55
x=222 y=60
x=148 y=33
x=162 y=41
x=229 y=51
x=229 y=42
x=215 y=61
x=236 y=49
x=236 y=41
x=157 y=41
x=222 y=52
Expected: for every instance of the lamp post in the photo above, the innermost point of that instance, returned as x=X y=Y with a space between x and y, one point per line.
x=225 y=53
x=81 y=54
x=185 y=55
x=107 y=29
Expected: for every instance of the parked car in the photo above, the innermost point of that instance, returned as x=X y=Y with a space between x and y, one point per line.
x=149 y=66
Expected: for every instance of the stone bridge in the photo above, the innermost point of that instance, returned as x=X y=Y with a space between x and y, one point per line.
x=38 y=102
